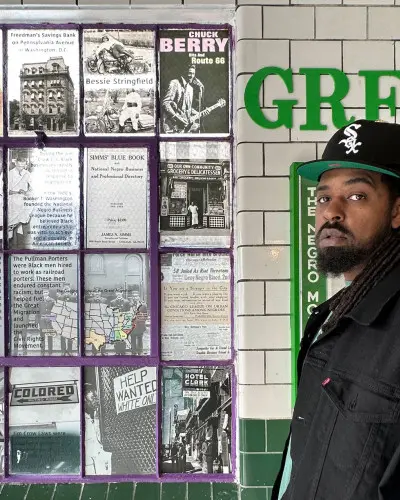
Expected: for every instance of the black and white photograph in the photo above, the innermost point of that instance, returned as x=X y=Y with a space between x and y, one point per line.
x=117 y=308
x=43 y=81
x=44 y=305
x=120 y=420
x=117 y=198
x=195 y=307
x=1 y=421
x=194 y=81
x=195 y=194
x=196 y=420
x=119 y=81
x=43 y=199
x=44 y=421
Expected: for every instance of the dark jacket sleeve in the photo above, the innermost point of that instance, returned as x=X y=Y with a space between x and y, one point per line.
x=389 y=487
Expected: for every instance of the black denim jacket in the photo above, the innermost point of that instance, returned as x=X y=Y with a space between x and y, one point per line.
x=346 y=422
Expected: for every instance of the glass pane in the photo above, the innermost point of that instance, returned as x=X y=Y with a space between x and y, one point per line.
x=44 y=420
x=119 y=76
x=120 y=420
x=196 y=420
x=117 y=198
x=43 y=199
x=194 y=82
x=43 y=81
x=44 y=305
x=195 y=191
x=117 y=304
x=195 y=307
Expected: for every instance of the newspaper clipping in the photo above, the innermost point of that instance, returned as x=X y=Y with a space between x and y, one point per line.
x=195 y=307
x=117 y=198
x=120 y=420
x=43 y=305
x=43 y=199
x=194 y=81
x=117 y=313
x=195 y=187
x=44 y=421
x=43 y=81
x=119 y=82
x=196 y=420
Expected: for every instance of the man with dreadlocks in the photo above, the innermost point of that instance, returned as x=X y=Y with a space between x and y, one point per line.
x=344 y=441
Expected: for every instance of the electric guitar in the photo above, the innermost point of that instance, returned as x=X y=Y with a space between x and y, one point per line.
x=172 y=125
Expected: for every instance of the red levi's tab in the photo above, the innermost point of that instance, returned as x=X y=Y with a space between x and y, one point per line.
x=326 y=382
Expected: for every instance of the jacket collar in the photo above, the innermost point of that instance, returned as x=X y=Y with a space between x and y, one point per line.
x=373 y=303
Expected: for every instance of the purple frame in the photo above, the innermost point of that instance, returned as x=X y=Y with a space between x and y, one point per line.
x=154 y=251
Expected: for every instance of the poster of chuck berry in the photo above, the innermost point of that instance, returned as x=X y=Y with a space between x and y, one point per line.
x=194 y=82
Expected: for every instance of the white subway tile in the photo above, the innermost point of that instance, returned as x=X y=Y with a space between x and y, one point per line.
x=277 y=228
x=368 y=55
x=316 y=2
x=8 y=3
x=289 y=22
x=250 y=298
x=320 y=148
x=339 y=23
x=251 y=367
x=279 y=157
x=266 y=193
x=249 y=131
x=356 y=95
x=249 y=22
x=58 y=3
x=208 y=2
x=265 y=401
x=263 y=332
x=383 y=23
x=315 y=54
x=264 y=263
x=367 y=2
x=249 y=228
x=251 y=55
x=397 y=52
x=277 y=297
x=264 y=2
x=249 y=159
x=102 y=2
x=278 y=367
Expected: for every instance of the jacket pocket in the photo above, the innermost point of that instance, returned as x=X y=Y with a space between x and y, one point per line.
x=364 y=416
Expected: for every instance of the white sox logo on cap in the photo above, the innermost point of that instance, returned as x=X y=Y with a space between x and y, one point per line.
x=351 y=142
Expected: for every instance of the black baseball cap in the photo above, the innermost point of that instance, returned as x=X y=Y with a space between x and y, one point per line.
x=365 y=144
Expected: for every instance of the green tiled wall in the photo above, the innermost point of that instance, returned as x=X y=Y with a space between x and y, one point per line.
x=261 y=443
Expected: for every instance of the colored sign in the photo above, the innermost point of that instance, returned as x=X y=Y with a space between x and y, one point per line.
x=45 y=394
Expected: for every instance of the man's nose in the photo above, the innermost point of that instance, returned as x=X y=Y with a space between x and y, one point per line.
x=334 y=211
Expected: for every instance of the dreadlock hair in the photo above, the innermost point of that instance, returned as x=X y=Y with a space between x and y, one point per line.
x=382 y=260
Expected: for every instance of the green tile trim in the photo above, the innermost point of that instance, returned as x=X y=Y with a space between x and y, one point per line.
x=225 y=491
x=277 y=433
x=40 y=491
x=251 y=435
x=147 y=491
x=14 y=491
x=253 y=494
x=173 y=491
x=68 y=491
x=120 y=491
x=94 y=491
x=269 y=493
x=259 y=469
x=199 y=491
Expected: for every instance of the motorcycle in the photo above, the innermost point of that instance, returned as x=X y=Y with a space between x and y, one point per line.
x=122 y=65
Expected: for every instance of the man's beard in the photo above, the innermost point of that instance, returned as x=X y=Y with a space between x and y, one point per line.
x=337 y=260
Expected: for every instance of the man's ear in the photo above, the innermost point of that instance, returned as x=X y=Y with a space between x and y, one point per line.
x=396 y=213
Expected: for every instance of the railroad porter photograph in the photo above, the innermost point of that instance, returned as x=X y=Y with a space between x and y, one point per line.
x=120 y=420
x=43 y=81
x=194 y=82
x=117 y=309
x=119 y=82
x=196 y=420
x=195 y=193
